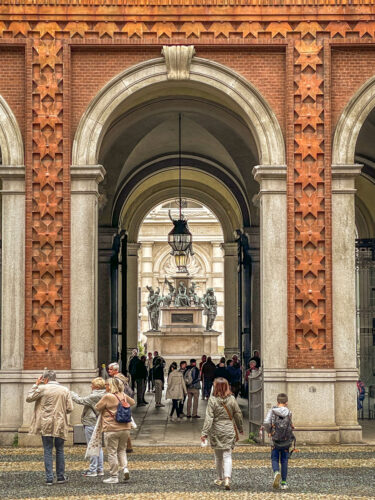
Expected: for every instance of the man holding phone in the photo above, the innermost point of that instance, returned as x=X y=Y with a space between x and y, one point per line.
x=53 y=403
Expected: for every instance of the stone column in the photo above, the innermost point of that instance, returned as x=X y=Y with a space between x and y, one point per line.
x=254 y=235
x=147 y=276
x=230 y=299
x=106 y=235
x=84 y=274
x=12 y=300
x=132 y=305
x=344 y=300
x=273 y=278
x=217 y=284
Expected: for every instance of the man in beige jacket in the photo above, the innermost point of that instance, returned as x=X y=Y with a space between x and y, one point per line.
x=53 y=402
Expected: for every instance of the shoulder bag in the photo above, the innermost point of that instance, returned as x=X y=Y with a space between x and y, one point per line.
x=233 y=422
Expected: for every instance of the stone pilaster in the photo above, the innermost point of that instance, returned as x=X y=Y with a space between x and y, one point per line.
x=344 y=299
x=230 y=299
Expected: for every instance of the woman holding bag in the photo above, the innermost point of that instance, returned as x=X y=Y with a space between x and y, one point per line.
x=116 y=433
x=222 y=424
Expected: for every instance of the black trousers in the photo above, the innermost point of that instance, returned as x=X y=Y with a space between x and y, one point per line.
x=175 y=406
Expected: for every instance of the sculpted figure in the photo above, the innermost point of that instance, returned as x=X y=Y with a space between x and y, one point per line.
x=153 y=307
x=182 y=298
x=210 y=308
x=193 y=294
x=168 y=299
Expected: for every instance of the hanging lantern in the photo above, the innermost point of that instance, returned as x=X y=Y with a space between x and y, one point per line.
x=180 y=238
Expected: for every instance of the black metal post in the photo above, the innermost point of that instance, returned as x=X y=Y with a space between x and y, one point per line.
x=114 y=298
x=124 y=300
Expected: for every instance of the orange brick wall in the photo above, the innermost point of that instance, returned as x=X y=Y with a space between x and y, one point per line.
x=265 y=68
x=92 y=68
x=351 y=67
x=12 y=81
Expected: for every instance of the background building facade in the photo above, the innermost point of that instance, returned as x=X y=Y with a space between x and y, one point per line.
x=278 y=100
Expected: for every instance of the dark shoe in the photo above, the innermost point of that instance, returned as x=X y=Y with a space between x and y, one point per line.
x=62 y=480
x=145 y=402
x=49 y=483
x=140 y=404
x=196 y=416
x=130 y=450
x=188 y=416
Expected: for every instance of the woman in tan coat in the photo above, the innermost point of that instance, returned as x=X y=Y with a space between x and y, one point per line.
x=222 y=424
x=116 y=434
x=176 y=390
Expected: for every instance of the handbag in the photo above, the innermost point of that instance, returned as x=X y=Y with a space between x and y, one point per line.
x=123 y=413
x=233 y=422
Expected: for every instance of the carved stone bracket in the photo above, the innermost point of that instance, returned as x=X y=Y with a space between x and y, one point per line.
x=178 y=60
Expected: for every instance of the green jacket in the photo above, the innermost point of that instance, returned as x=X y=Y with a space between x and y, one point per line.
x=217 y=424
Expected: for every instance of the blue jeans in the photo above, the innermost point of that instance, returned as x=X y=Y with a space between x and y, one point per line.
x=282 y=457
x=96 y=463
x=48 y=459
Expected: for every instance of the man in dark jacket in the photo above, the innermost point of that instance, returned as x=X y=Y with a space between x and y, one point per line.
x=192 y=380
x=158 y=373
x=141 y=379
x=208 y=374
x=221 y=370
x=132 y=366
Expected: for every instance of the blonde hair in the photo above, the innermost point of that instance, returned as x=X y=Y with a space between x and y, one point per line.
x=115 y=385
x=98 y=383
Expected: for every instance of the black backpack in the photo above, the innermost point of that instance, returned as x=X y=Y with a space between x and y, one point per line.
x=282 y=432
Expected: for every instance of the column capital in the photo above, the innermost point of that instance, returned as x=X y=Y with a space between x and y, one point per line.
x=343 y=178
x=88 y=172
x=230 y=249
x=272 y=178
x=13 y=177
x=132 y=249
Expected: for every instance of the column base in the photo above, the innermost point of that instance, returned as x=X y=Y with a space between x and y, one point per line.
x=230 y=351
x=312 y=400
x=26 y=440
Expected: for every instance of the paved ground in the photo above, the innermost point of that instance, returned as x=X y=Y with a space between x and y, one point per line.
x=188 y=472
x=171 y=469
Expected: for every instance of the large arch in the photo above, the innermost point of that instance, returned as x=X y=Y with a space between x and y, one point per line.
x=102 y=110
x=214 y=82
x=12 y=175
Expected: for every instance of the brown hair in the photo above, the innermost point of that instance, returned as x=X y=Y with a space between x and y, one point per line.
x=221 y=387
x=282 y=398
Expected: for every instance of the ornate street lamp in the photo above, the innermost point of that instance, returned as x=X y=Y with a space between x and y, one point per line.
x=180 y=238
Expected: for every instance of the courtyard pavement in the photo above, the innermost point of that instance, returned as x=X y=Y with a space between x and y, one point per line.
x=168 y=463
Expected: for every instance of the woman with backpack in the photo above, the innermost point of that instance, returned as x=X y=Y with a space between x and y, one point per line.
x=113 y=407
x=222 y=425
x=176 y=390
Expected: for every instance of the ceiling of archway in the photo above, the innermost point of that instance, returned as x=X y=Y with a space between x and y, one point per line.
x=365 y=183
x=150 y=131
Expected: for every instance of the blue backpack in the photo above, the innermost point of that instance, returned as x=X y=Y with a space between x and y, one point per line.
x=123 y=413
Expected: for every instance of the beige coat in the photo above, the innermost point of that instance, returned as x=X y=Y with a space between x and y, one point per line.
x=53 y=402
x=217 y=424
x=176 y=386
x=110 y=402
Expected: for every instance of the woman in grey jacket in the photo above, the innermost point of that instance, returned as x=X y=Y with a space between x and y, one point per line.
x=222 y=424
x=88 y=419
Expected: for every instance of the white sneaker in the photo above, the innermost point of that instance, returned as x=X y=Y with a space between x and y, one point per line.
x=172 y=419
x=126 y=474
x=276 y=479
x=218 y=482
x=284 y=486
x=111 y=480
x=100 y=473
x=90 y=474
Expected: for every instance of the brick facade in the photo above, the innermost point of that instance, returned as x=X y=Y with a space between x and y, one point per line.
x=56 y=55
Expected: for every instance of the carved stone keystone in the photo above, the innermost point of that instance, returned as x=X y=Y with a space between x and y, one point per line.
x=178 y=60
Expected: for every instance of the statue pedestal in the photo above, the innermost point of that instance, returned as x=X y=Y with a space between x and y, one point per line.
x=182 y=335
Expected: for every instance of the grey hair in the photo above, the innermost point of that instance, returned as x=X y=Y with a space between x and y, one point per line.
x=114 y=366
x=51 y=375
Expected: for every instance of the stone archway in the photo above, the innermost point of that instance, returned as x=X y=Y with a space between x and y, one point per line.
x=12 y=175
x=136 y=86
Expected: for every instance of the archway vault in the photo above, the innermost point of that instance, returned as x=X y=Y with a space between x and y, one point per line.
x=205 y=76
x=197 y=185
